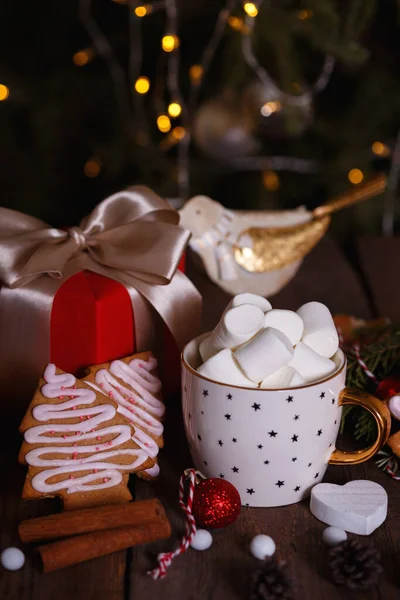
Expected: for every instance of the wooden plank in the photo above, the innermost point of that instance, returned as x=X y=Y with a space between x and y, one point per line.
x=380 y=263
x=221 y=573
x=326 y=276
x=101 y=579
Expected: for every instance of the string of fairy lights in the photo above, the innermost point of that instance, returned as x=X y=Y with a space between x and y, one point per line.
x=181 y=134
x=137 y=85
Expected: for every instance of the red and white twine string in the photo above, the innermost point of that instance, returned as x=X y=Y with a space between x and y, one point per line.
x=165 y=558
x=356 y=352
x=355 y=349
x=388 y=469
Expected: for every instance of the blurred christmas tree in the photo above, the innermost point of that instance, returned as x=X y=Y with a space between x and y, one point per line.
x=262 y=104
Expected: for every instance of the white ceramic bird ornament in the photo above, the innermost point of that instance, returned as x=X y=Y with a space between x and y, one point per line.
x=260 y=251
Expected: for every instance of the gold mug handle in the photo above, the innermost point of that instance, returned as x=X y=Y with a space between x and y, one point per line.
x=381 y=414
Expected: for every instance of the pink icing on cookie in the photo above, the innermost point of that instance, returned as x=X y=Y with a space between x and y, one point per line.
x=147 y=406
x=65 y=410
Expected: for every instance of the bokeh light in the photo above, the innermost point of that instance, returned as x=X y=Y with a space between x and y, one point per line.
x=142 y=85
x=164 y=123
x=355 y=176
x=174 y=109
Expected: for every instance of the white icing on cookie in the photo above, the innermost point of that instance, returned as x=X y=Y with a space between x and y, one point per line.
x=62 y=386
x=394 y=406
x=138 y=403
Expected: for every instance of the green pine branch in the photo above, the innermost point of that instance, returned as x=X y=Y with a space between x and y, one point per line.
x=380 y=350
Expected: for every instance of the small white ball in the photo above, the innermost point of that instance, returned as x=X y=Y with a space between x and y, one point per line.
x=12 y=559
x=202 y=540
x=262 y=546
x=332 y=536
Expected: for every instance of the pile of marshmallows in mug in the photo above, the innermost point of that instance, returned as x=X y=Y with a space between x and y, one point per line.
x=255 y=345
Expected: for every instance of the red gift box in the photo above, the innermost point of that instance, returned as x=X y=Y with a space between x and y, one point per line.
x=92 y=322
x=93 y=293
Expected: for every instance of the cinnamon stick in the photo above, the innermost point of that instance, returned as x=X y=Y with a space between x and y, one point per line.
x=92 y=519
x=81 y=548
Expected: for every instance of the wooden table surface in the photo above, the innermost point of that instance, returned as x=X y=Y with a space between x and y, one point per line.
x=221 y=573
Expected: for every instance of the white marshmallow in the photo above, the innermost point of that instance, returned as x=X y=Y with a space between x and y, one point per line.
x=206 y=348
x=285 y=377
x=223 y=368
x=309 y=364
x=286 y=321
x=253 y=299
x=319 y=329
x=237 y=325
x=267 y=352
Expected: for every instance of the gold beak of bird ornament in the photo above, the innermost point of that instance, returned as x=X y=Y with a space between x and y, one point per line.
x=260 y=251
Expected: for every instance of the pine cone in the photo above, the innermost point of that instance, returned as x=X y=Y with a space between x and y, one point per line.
x=270 y=582
x=355 y=564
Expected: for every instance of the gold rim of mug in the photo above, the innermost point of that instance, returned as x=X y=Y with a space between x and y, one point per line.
x=239 y=387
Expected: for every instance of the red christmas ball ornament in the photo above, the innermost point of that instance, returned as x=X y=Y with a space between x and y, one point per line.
x=216 y=503
x=388 y=387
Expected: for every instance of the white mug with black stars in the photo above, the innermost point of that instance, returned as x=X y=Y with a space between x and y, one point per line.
x=272 y=445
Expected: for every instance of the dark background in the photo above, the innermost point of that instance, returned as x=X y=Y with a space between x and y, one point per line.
x=59 y=115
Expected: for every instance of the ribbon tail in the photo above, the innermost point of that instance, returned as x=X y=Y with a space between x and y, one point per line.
x=226 y=263
x=179 y=305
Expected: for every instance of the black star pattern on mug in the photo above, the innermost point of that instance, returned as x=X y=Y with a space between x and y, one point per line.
x=297 y=488
x=309 y=464
x=289 y=399
x=221 y=476
x=202 y=412
x=319 y=432
x=220 y=442
x=185 y=388
x=229 y=396
x=266 y=462
x=205 y=393
x=295 y=438
x=294 y=458
x=335 y=422
x=280 y=483
x=296 y=417
x=260 y=446
x=250 y=491
x=330 y=445
x=190 y=416
x=247 y=504
x=256 y=406
x=235 y=469
x=234 y=440
x=322 y=395
x=205 y=462
x=272 y=433
x=316 y=475
x=199 y=437
x=333 y=400
x=227 y=417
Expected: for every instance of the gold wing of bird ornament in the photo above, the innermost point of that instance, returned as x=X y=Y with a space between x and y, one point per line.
x=276 y=247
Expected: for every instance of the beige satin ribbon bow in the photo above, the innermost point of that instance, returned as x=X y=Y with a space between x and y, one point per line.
x=132 y=237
